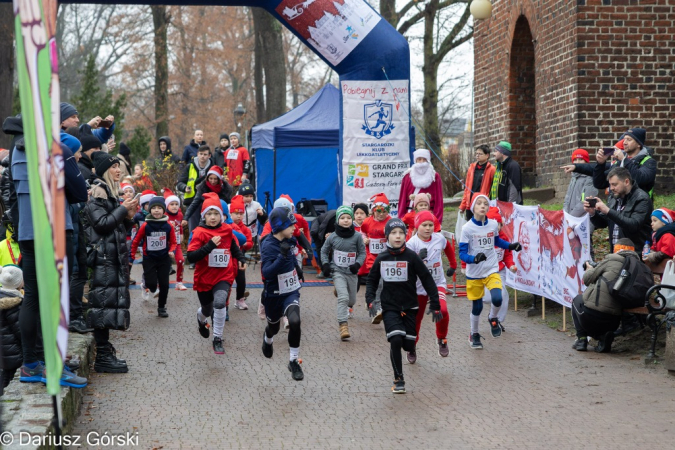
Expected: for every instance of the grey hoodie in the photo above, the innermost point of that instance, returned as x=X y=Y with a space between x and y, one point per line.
x=580 y=188
x=353 y=244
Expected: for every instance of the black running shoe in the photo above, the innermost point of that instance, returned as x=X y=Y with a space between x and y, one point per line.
x=399 y=386
x=296 y=370
x=412 y=357
x=268 y=349
x=580 y=345
x=218 y=346
x=203 y=328
x=605 y=343
x=161 y=312
x=494 y=327
x=474 y=341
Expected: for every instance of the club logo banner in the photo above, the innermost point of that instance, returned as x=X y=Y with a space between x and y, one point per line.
x=555 y=247
x=376 y=141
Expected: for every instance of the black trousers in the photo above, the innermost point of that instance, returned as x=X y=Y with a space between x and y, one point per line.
x=241 y=283
x=79 y=278
x=156 y=271
x=590 y=322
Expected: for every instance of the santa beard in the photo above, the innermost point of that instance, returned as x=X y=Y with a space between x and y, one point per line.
x=422 y=175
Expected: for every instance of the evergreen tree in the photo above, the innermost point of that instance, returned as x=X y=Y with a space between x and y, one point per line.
x=140 y=144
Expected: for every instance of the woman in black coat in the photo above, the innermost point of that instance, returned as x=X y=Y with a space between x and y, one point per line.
x=105 y=226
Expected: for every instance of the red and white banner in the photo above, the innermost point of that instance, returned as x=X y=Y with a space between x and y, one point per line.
x=555 y=247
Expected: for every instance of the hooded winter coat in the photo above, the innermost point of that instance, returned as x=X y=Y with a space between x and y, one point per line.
x=105 y=225
x=580 y=187
x=196 y=205
x=161 y=158
x=12 y=126
x=597 y=296
x=10 y=302
x=190 y=151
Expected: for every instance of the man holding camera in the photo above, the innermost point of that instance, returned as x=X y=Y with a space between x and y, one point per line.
x=627 y=212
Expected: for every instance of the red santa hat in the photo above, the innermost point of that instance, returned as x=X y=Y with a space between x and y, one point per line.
x=476 y=196
x=147 y=195
x=425 y=216
x=237 y=204
x=494 y=214
x=125 y=186
x=379 y=200
x=619 y=145
x=215 y=170
x=169 y=196
x=211 y=201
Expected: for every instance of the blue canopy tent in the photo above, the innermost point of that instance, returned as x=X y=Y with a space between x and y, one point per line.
x=298 y=153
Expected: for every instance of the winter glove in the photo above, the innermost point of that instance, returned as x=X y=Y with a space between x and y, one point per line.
x=285 y=247
x=326 y=270
x=372 y=312
x=479 y=258
x=354 y=268
x=423 y=253
x=435 y=311
x=301 y=274
x=450 y=272
x=516 y=247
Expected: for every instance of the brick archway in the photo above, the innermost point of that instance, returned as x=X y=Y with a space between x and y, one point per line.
x=522 y=115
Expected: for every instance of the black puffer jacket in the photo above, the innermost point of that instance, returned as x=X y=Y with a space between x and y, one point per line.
x=12 y=356
x=105 y=224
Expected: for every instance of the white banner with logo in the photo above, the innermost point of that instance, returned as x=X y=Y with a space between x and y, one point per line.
x=555 y=247
x=376 y=139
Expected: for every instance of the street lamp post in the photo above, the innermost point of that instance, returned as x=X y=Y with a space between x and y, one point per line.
x=239 y=113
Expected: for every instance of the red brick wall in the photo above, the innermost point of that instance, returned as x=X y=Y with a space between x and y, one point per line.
x=600 y=67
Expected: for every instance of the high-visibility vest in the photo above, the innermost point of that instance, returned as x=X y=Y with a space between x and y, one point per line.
x=651 y=191
x=192 y=178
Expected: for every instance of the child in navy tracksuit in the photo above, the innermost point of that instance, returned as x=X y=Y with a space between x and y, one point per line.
x=281 y=294
x=159 y=245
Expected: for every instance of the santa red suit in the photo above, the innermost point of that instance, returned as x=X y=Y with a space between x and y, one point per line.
x=421 y=178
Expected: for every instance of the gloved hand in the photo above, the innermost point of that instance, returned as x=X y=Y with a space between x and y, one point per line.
x=435 y=311
x=285 y=247
x=326 y=270
x=372 y=312
x=301 y=274
x=516 y=247
x=423 y=253
x=354 y=268
x=450 y=272
x=479 y=258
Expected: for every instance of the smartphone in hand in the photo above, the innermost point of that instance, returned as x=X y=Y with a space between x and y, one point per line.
x=608 y=151
x=105 y=124
x=592 y=201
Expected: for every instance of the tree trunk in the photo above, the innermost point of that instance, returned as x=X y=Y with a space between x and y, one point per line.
x=430 y=72
x=6 y=66
x=258 y=65
x=160 y=18
x=271 y=53
x=388 y=11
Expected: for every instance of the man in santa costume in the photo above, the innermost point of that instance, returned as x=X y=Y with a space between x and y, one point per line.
x=421 y=178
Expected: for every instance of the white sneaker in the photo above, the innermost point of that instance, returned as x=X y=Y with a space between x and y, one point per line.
x=180 y=286
x=146 y=294
x=156 y=293
x=286 y=326
x=351 y=313
x=261 y=311
x=241 y=304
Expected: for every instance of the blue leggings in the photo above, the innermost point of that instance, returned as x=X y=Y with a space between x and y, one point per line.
x=496 y=300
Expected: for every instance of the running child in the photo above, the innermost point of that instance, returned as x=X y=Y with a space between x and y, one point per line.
x=398 y=268
x=281 y=293
x=138 y=220
x=175 y=220
x=237 y=211
x=158 y=239
x=430 y=246
x=216 y=256
x=342 y=254
x=477 y=245
x=360 y=214
x=253 y=211
x=375 y=241
x=505 y=258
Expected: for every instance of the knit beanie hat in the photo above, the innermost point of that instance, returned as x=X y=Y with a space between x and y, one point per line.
x=425 y=216
x=211 y=201
x=380 y=200
x=624 y=244
x=234 y=133
x=421 y=197
x=225 y=136
x=504 y=148
x=147 y=195
x=103 y=163
x=169 y=196
x=237 y=204
x=281 y=218
x=639 y=134
x=288 y=197
x=494 y=214
x=125 y=186
x=580 y=153
x=67 y=110
x=476 y=196
x=394 y=223
x=74 y=143
x=422 y=153
x=11 y=277
x=283 y=202
x=362 y=206
x=215 y=170
x=344 y=210
x=664 y=215
x=157 y=201
x=124 y=149
x=246 y=189
x=89 y=141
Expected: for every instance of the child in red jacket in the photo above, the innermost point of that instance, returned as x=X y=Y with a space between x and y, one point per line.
x=215 y=253
x=663 y=239
x=237 y=211
x=505 y=258
x=421 y=203
x=175 y=220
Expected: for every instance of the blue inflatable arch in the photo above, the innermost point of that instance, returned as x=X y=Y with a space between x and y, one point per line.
x=373 y=62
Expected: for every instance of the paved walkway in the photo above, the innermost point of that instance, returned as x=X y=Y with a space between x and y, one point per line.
x=527 y=389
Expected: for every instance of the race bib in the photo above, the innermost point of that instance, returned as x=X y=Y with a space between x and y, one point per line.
x=219 y=257
x=156 y=242
x=376 y=246
x=435 y=269
x=233 y=154
x=483 y=242
x=179 y=235
x=288 y=282
x=394 y=270
x=344 y=259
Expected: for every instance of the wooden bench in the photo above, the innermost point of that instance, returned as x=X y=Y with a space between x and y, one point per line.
x=655 y=309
